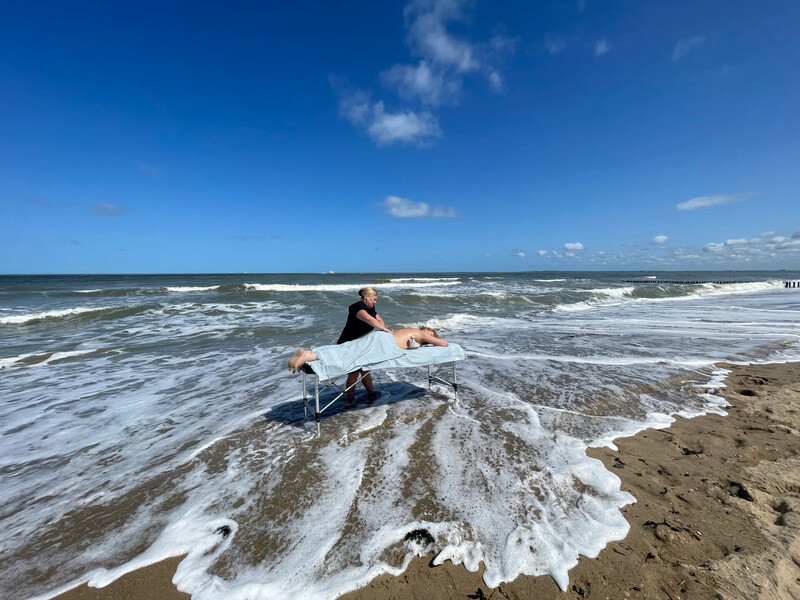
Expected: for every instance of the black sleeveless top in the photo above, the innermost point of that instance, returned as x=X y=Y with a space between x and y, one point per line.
x=355 y=327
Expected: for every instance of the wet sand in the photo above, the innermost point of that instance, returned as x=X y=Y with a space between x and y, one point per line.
x=717 y=515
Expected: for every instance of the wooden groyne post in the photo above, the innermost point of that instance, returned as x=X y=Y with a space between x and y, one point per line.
x=791 y=284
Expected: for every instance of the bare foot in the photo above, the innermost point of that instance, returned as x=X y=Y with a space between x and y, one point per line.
x=294 y=362
x=300 y=358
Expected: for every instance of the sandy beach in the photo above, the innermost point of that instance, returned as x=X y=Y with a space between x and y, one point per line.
x=717 y=514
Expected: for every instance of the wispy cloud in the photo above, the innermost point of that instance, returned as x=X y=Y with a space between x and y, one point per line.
x=423 y=82
x=445 y=59
x=405 y=126
x=519 y=253
x=601 y=47
x=766 y=250
x=755 y=249
x=573 y=246
x=717 y=200
x=107 y=209
x=384 y=127
x=428 y=36
x=435 y=80
x=683 y=47
x=660 y=239
x=403 y=208
x=554 y=44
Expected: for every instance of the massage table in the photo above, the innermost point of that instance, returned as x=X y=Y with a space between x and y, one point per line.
x=372 y=352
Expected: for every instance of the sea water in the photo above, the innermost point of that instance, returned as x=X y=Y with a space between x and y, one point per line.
x=143 y=417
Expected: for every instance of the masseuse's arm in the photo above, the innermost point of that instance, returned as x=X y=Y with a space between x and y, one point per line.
x=370 y=320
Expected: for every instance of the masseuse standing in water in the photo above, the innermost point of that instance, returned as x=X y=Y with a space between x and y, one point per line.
x=362 y=317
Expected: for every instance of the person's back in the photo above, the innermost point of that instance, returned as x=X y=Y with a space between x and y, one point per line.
x=426 y=335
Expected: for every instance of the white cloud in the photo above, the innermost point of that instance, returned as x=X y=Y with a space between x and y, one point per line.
x=573 y=246
x=554 y=44
x=404 y=126
x=384 y=127
x=428 y=84
x=660 y=239
x=683 y=47
x=521 y=253
x=542 y=253
x=428 y=35
x=761 y=248
x=107 y=209
x=403 y=208
x=441 y=212
x=446 y=59
x=437 y=79
x=354 y=105
x=495 y=82
x=706 y=201
x=737 y=242
x=601 y=47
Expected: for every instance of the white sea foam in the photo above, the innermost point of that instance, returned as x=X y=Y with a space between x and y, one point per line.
x=615 y=295
x=187 y=289
x=21 y=319
x=454 y=322
x=595 y=360
x=423 y=279
x=344 y=287
x=716 y=289
x=42 y=358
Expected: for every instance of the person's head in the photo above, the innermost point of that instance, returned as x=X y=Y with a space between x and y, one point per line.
x=429 y=330
x=369 y=295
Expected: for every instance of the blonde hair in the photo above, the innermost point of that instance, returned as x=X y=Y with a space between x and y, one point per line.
x=366 y=292
x=426 y=328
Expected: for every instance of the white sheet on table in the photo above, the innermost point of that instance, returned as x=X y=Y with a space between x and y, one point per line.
x=378 y=350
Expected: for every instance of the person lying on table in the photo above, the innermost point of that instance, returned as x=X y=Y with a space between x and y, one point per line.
x=406 y=339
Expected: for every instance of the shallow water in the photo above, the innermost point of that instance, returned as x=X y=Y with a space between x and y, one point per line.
x=146 y=416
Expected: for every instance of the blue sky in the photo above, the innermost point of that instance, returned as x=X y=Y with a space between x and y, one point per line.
x=399 y=136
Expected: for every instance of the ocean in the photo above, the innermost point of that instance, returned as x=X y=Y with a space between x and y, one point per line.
x=143 y=417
